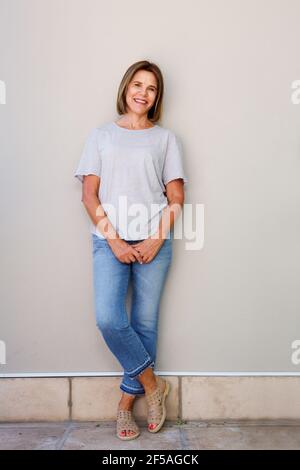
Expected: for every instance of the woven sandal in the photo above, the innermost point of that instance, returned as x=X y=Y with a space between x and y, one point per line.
x=126 y=422
x=156 y=404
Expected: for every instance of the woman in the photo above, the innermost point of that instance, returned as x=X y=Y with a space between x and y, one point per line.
x=137 y=162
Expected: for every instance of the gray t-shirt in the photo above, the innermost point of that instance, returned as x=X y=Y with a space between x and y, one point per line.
x=134 y=165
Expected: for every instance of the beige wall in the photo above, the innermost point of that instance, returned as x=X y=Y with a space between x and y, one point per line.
x=229 y=66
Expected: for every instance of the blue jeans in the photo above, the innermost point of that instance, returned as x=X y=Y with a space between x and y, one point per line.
x=133 y=343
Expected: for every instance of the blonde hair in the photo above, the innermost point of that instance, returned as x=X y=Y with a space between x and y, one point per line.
x=154 y=113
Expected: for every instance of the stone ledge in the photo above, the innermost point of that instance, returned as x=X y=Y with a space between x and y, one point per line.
x=96 y=398
x=34 y=399
x=240 y=398
x=192 y=398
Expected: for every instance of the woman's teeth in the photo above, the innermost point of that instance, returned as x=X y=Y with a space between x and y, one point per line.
x=140 y=101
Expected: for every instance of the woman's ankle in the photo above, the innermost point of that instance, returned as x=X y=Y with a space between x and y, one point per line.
x=148 y=379
x=126 y=402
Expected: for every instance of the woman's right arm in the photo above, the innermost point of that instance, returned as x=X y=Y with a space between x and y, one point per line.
x=125 y=252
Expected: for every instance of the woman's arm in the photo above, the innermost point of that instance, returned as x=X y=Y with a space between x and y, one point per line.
x=150 y=246
x=90 y=190
x=122 y=250
x=175 y=196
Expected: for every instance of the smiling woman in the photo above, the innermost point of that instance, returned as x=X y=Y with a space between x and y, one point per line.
x=130 y=166
x=135 y=167
x=140 y=95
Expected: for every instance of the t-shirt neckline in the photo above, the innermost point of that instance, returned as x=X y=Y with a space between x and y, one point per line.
x=134 y=130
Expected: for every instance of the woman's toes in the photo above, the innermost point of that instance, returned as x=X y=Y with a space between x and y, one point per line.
x=127 y=433
x=152 y=426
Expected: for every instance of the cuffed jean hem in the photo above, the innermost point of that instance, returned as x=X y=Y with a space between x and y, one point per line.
x=136 y=372
x=126 y=389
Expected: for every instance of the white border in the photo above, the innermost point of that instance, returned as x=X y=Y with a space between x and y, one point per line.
x=114 y=374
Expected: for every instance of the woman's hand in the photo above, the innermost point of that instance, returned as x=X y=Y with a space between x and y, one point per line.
x=148 y=248
x=123 y=251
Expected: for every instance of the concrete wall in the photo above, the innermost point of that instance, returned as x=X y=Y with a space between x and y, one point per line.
x=191 y=398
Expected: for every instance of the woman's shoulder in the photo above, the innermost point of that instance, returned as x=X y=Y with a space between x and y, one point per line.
x=106 y=126
x=98 y=133
x=167 y=131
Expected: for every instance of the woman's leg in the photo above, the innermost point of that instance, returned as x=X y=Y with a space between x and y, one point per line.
x=148 y=281
x=110 y=278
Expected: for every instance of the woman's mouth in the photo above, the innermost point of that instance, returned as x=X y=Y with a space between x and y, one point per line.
x=140 y=101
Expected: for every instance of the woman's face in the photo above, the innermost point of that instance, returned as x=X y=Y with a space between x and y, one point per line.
x=141 y=92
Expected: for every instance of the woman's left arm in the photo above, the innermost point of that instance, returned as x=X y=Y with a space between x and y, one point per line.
x=175 y=195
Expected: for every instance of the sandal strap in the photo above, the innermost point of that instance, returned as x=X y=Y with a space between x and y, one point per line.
x=154 y=401
x=155 y=397
x=126 y=421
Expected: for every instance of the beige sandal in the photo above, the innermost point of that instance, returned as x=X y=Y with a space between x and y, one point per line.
x=156 y=404
x=126 y=422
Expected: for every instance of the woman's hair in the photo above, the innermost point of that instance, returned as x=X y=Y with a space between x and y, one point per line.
x=155 y=112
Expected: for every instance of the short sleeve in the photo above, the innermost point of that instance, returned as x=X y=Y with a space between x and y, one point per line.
x=90 y=160
x=173 y=164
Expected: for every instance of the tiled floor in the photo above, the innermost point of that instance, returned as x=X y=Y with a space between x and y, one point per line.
x=191 y=435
